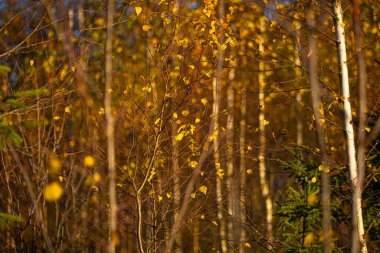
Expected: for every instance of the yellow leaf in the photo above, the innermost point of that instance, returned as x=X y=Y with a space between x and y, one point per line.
x=146 y=28
x=249 y=171
x=220 y=173
x=204 y=101
x=169 y=195
x=368 y=129
x=247 y=245
x=180 y=136
x=67 y=109
x=157 y=121
x=53 y=192
x=313 y=180
x=175 y=115
x=89 y=161
x=223 y=47
x=193 y=164
x=203 y=217
x=55 y=165
x=152 y=173
x=197 y=120
x=312 y=199
x=215 y=223
x=60 y=179
x=203 y=189
x=193 y=195
x=159 y=198
x=185 y=113
x=309 y=239
x=56 y=117
x=96 y=177
x=138 y=10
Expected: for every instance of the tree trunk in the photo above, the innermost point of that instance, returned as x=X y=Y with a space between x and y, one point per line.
x=113 y=237
x=231 y=184
x=264 y=182
x=362 y=108
x=217 y=83
x=348 y=127
x=243 y=108
x=319 y=123
x=176 y=183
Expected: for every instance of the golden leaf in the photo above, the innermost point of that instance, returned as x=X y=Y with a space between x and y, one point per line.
x=138 y=10
x=89 y=161
x=146 y=28
x=309 y=239
x=203 y=189
x=55 y=165
x=193 y=164
x=180 y=136
x=53 y=192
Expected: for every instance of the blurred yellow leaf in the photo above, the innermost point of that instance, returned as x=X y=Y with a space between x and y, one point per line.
x=53 y=192
x=180 y=136
x=312 y=199
x=185 y=113
x=309 y=239
x=203 y=189
x=89 y=161
x=220 y=173
x=193 y=164
x=55 y=165
x=146 y=28
x=138 y=10
x=67 y=109
x=96 y=177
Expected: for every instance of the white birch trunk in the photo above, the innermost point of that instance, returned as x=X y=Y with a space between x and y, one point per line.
x=348 y=125
x=217 y=83
x=110 y=132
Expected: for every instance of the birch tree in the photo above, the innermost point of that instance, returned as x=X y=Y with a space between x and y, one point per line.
x=357 y=221
x=113 y=236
